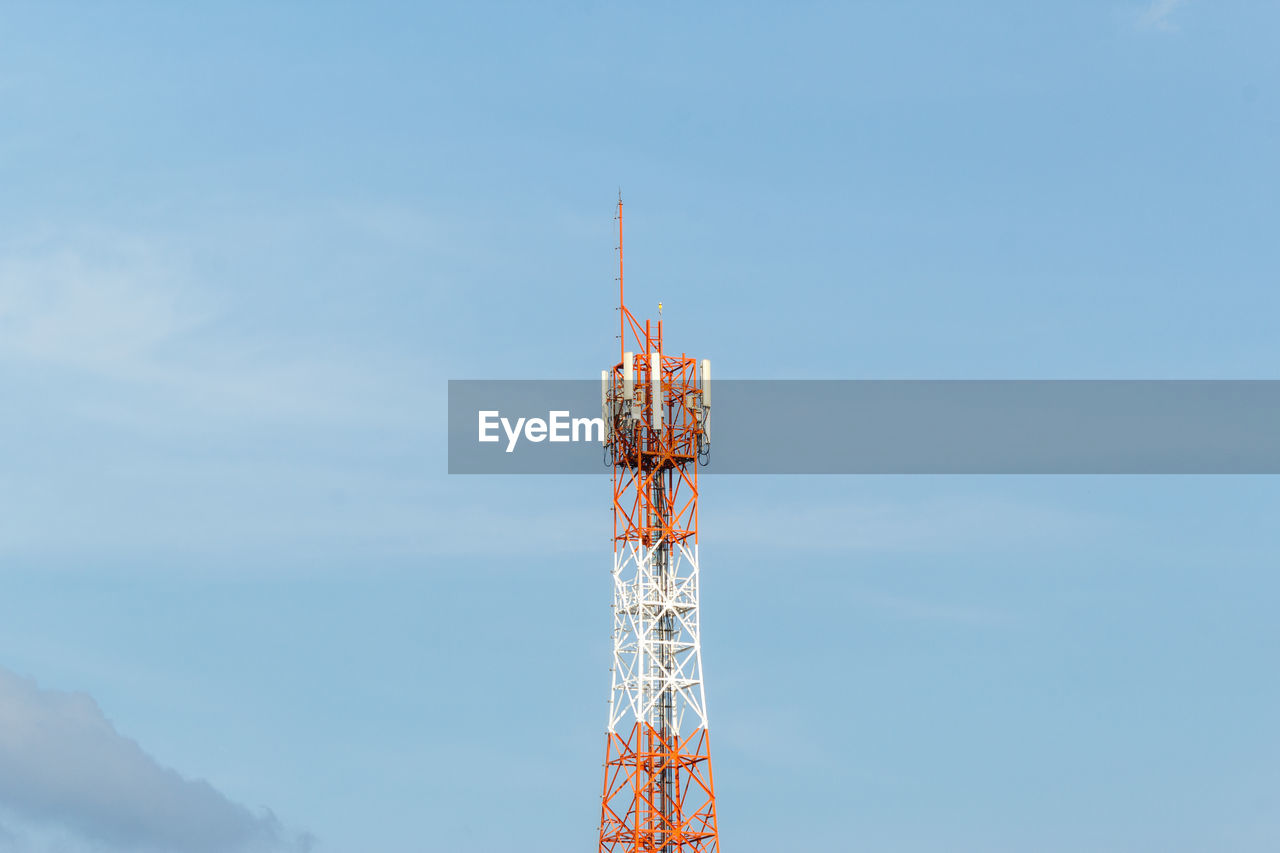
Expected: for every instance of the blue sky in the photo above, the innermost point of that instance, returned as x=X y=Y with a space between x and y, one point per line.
x=242 y=249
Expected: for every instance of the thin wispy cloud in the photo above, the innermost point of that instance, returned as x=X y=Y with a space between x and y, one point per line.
x=1160 y=15
x=752 y=730
x=128 y=316
x=65 y=769
x=132 y=371
x=918 y=610
x=929 y=526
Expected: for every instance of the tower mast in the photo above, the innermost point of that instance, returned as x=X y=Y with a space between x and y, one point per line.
x=622 y=301
x=658 y=792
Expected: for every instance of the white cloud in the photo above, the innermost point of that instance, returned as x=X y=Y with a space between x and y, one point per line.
x=101 y=309
x=911 y=609
x=64 y=769
x=921 y=526
x=1158 y=15
x=752 y=729
x=125 y=315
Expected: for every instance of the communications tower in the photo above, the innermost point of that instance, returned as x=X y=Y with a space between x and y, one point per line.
x=658 y=794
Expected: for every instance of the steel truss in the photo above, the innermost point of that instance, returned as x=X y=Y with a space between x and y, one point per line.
x=658 y=794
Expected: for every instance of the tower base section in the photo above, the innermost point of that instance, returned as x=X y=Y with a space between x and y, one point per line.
x=658 y=793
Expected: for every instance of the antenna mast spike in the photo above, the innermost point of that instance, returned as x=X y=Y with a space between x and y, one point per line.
x=622 y=302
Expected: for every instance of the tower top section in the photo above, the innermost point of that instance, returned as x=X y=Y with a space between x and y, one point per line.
x=656 y=409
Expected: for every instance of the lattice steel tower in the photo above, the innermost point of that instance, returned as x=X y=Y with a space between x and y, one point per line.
x=658 y=794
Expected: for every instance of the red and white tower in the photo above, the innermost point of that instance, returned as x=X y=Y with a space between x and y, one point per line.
x=658 y=793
